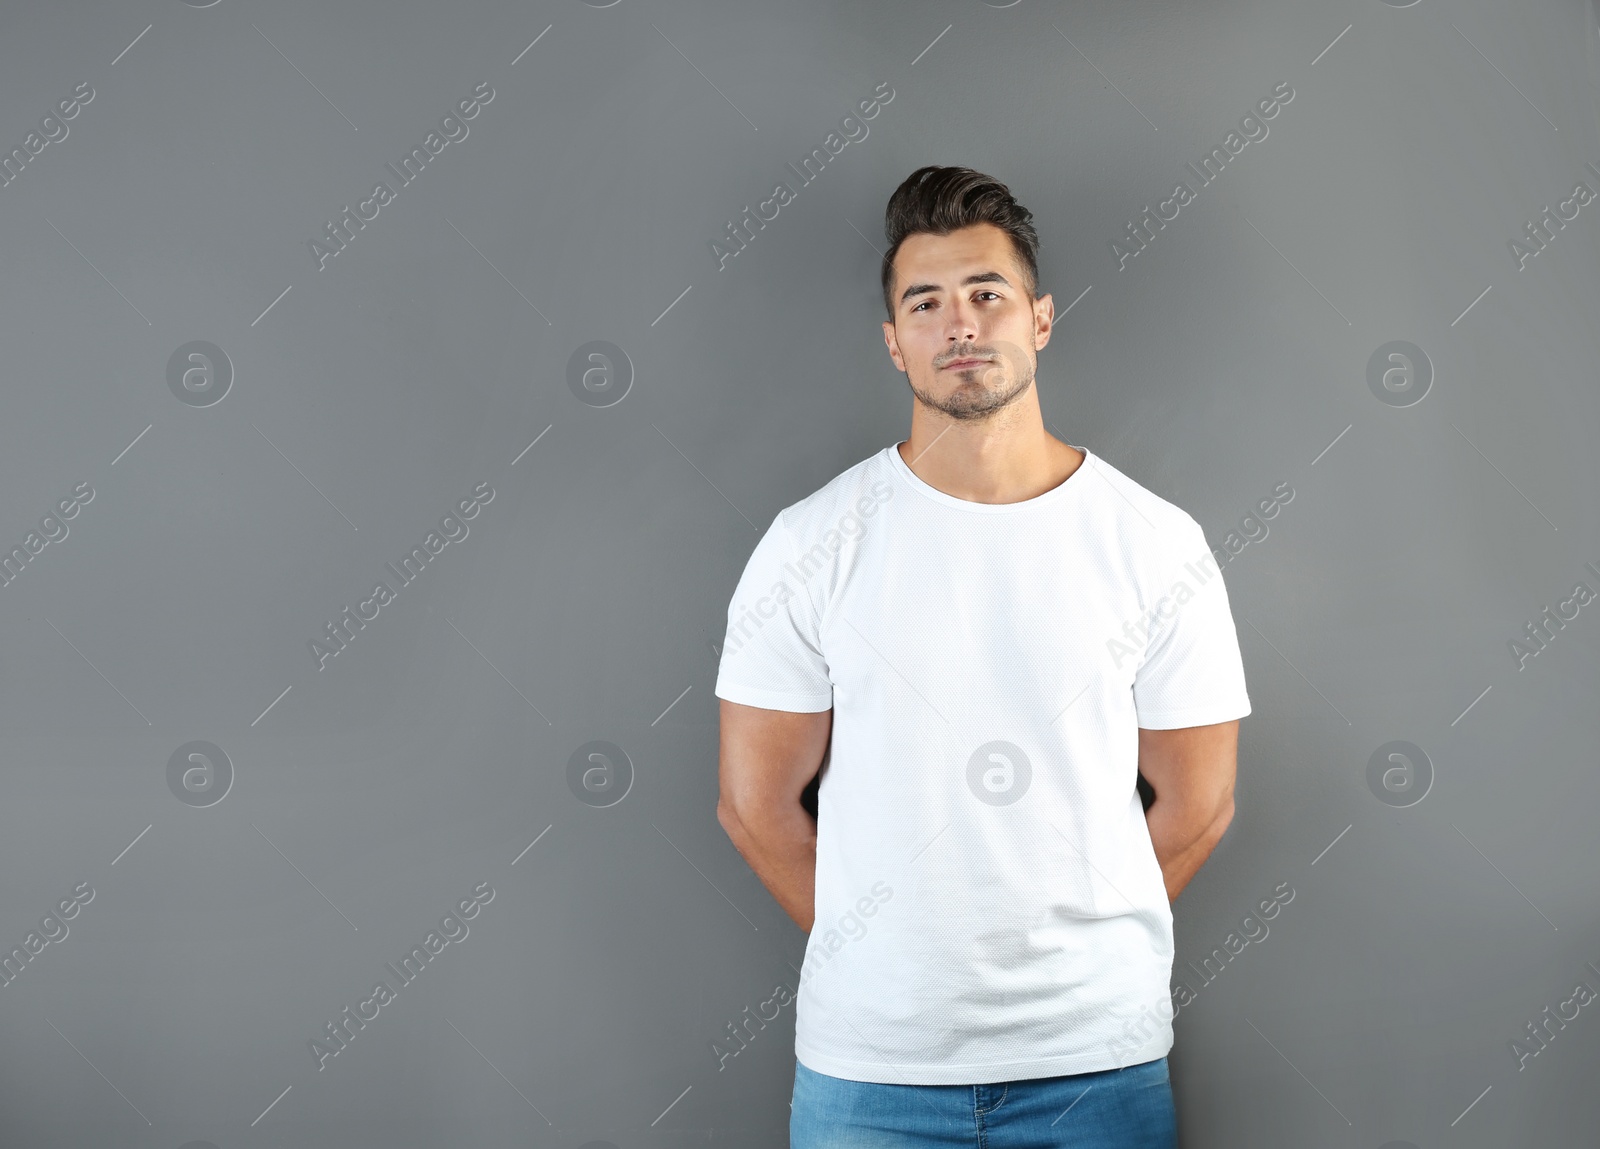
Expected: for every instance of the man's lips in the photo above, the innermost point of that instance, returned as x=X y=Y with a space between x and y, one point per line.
x=964 y=363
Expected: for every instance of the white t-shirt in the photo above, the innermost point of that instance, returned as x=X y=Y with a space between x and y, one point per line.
x=988 y=903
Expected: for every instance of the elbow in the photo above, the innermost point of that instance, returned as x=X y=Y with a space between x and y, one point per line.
x=759 y=823
x=1224 y=817
x=735 y=826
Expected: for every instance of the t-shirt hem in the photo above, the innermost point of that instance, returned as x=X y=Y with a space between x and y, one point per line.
x=774 y=699
x=1193 y=716
x=977 y=1072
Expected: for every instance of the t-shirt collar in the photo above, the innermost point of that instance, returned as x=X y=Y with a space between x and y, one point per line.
x=1057 y=494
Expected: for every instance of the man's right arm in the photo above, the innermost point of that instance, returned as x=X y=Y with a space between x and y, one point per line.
x=766 y=759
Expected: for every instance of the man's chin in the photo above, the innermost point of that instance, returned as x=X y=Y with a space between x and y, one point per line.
x=966 y=413
x=968 y=399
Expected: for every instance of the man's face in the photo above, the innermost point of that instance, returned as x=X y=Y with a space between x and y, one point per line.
x=962 y=297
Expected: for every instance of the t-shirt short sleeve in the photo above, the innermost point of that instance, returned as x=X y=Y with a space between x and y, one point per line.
x=1192 y=673
x=772 y=654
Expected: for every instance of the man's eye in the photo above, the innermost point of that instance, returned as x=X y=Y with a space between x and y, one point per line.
x=925 y=302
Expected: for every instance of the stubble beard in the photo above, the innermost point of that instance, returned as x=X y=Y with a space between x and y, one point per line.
x=981 y=392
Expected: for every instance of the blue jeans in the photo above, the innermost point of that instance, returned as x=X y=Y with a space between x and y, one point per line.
x=1127 y=1108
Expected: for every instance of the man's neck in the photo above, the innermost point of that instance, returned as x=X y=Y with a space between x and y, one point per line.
x=989 y=461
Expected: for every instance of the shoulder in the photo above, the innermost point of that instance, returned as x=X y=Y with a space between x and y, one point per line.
x=1138 y=516
x=842 y=502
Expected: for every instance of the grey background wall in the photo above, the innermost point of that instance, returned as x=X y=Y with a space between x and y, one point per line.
x=217 y=837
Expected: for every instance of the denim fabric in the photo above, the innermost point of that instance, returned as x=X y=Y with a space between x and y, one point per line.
x=1127 y=1108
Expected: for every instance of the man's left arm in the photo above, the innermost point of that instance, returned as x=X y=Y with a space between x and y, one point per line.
x=1192 y=772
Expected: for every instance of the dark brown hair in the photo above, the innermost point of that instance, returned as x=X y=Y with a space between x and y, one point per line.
x=939 y=200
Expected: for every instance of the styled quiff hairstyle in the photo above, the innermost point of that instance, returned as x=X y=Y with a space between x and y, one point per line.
x=939 y=200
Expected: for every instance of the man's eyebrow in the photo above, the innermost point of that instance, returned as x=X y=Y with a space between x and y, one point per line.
x=980 y=277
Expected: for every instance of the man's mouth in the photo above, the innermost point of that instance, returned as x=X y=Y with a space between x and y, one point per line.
x=965 y=363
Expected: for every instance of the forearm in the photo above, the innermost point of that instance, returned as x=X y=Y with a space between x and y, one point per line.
x=1183 y=837
x=782 y=850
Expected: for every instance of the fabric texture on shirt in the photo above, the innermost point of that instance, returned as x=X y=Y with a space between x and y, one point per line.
x=988 y=903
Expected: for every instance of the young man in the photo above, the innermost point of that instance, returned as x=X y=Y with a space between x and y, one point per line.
x=978 y=639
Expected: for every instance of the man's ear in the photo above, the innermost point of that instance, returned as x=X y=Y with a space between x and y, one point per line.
x=893 y=346
x=1042 y=338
